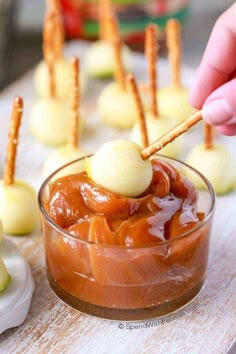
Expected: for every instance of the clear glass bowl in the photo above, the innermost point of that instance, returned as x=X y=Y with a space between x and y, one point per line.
x=125 y=283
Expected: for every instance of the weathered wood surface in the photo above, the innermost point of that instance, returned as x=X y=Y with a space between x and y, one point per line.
x=208 y=325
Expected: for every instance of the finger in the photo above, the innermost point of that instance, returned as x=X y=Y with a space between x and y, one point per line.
x=218 y=61
x=220 y=106
x=228 y=130
x=207 y=80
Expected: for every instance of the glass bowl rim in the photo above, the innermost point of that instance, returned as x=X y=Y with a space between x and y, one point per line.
x=103 y=245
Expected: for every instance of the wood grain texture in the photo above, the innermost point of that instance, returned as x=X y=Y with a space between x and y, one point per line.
x=208 y=325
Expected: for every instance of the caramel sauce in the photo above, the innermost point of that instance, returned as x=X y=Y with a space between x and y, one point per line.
x=86 y=210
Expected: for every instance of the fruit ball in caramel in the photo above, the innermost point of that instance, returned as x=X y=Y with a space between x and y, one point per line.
x=100 y=62
x=156 y=127
x=116 y=107
x=173 y=102
x=216 y=164
x=118 y=167
x=61 y=156
x=62 y=79
x=18 y=208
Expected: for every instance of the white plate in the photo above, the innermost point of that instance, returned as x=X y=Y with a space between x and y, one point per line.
x=15 y=300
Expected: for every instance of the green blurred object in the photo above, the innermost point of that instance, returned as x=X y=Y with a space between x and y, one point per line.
x=7 y=10
x=91 y=27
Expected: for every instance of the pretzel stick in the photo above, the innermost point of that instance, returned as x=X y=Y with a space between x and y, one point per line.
x=103 y=7
x=9 y=170
x=48 y=30
x=208 y=138
x=173 y=30
x=151 y=55
x=133 y=88
x=74 y=129
x=171 y=135
x=117 y=44
x=57 y=43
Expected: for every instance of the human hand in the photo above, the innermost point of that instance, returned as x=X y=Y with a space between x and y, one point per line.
x=214 y=89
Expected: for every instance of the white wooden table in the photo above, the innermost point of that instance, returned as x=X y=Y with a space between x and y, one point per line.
x=208 y=325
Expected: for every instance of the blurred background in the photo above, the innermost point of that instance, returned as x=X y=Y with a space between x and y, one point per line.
x=21 y=27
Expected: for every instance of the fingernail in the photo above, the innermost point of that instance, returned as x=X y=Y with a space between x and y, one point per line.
x=217 y=112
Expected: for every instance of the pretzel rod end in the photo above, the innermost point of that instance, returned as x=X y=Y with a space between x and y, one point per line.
x=173 y=25
x=130 y=77
x=18 y=101
x=208 y=136
x=74 y=61
x=171 y=135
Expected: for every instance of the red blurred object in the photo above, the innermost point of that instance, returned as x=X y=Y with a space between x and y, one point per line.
x=73 y=17
x=162 y=7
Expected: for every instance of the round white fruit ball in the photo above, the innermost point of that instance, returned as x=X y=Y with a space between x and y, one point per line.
x=156 y=127
x=173 y=102
x=100 y=60
x=62 y=156
x=116 y=107
x=62 y=79
x=118 y=167
x=49 y=121
x=18 y=208
x=216 y=164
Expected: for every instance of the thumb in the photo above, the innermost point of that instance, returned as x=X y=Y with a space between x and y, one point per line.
x=220 y=108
